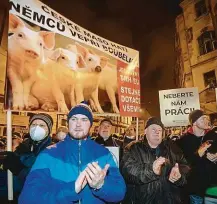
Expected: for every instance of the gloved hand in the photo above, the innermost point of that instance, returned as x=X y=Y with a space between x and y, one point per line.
x=13 y=163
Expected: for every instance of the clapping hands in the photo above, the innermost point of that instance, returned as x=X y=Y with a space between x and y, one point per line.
x=93 y=174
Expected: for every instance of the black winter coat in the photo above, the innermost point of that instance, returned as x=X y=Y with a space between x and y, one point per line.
x=21 y=160
x=110 y=142
x=137 y=169
x=203 y=172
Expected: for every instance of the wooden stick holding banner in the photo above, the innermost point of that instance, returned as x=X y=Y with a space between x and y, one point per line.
x=9 y=148
x=137 y=128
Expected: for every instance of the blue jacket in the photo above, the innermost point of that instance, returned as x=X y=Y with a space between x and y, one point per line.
x=52 y=177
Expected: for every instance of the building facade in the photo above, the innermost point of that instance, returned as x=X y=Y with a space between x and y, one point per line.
x=196 y=50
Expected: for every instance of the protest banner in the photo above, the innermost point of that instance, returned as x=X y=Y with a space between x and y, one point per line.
x=54 y=64
x=129 y=88
x=176 y=104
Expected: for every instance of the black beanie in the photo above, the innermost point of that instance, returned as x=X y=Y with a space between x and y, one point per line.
x=195 y=115
x=154 y=120
x=83 y=109
x=46 y=118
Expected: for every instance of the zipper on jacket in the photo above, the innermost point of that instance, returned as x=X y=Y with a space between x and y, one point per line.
x=79 y=161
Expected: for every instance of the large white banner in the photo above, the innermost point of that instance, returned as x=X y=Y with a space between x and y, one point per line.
x=54 y=64
x=176 y=104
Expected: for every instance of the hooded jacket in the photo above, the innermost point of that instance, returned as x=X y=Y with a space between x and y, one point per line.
x=52 y=178
x=203 y=172
x=137 y=169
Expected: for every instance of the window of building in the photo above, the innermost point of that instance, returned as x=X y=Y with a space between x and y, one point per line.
x=207 y=42
x=209 y=78
x=200 y=8
x=189 y=35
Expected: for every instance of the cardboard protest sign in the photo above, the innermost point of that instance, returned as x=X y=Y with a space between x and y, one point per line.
x=176 y=104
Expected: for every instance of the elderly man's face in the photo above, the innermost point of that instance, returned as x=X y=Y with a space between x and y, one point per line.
x=202 y=122
x=79 y=126
x=154 y=135
x=61 y=136
x=105 y=129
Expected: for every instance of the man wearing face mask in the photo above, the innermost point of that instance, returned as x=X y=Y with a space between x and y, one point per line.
x=199 y=145
x=76 y=170
x=155 y=167
x=21 y=160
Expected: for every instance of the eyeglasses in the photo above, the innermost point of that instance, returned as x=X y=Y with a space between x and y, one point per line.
x=157 y=130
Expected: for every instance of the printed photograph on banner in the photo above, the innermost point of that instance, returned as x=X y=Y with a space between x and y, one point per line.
x=49 y=71
x=176 y=104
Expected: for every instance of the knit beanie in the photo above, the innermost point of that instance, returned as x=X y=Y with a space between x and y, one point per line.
x=154 y=120
x=82 y=109
x=195 y=115
x=45 y=117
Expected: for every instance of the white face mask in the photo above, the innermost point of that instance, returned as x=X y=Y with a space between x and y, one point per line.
x=37 y=133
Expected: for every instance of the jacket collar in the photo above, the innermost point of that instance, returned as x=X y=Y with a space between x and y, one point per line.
x=71 y=139
x=102 y=139
x=145 y=142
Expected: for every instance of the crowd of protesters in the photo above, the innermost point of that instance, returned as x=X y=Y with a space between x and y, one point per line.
x=162 y=167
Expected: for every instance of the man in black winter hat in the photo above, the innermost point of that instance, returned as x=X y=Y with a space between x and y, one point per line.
x=199 y=146
x=195 y=115
x=155 y=167
x=152 y=121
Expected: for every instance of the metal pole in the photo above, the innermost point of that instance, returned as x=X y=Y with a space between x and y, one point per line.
x=9 y=148
x=137 y=128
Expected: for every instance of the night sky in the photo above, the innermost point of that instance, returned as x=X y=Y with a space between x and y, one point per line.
x=145 y=25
